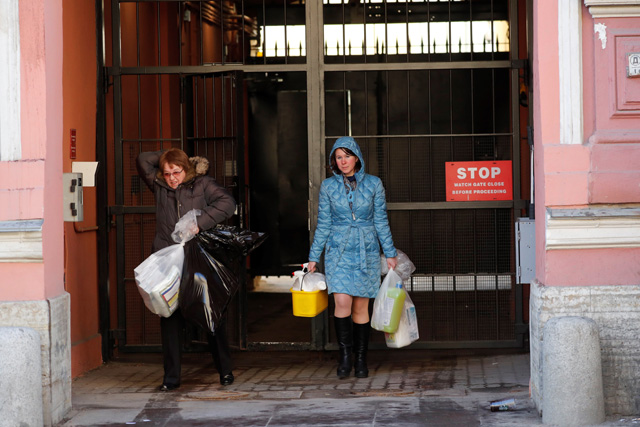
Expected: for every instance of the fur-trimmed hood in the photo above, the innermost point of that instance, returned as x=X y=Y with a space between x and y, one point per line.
x=200 y=166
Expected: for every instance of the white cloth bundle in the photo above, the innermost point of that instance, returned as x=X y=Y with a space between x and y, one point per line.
x=308 y=282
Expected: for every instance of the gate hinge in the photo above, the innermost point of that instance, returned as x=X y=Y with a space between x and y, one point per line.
x=105 y=80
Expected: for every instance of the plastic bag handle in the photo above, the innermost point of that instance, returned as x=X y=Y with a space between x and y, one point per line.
x=303 y=276
x=305 y=270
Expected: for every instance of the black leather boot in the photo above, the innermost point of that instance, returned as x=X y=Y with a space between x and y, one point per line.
x=344 y=336
x=360 y=348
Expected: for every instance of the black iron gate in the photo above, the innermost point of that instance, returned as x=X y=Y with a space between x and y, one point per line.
x=414 y=81
x=203 y=116
x=413 y=107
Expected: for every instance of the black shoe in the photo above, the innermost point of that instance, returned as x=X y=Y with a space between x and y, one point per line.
x=168 y=387
x=227 y=379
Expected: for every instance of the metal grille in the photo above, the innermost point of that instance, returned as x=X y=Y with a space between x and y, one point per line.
x=211 y=126
x=464 y=283
x=417 y=83
x=245 y=32
x=143 y=327
x=415 y=30
x=197 y=114
x=424 y=102
x=447 y=241
x=464 y=307
x=409 y=124
x=462 y=286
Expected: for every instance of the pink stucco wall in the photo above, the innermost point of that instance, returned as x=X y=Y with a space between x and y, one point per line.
x=603 y=170
x=34 y=183
x=614 y=175
x=545 y=111
x=593 y=267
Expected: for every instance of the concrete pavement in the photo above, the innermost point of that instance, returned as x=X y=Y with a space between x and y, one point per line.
x=404 y=388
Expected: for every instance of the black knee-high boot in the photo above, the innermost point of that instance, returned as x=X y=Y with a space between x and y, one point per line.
x=360 y=347
x=345 y=342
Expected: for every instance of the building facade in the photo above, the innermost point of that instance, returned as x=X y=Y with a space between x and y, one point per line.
x=587 y=152
x=585 y=126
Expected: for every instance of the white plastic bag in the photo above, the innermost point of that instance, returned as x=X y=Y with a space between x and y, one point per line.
x=308 y=282
x=407 y=329
x=382 y=306
x=158 y=277
x=404 y=269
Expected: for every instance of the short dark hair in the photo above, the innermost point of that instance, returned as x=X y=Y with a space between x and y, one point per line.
x=334 y=164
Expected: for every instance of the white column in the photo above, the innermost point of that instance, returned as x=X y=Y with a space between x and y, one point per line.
x=10 y=144
x=570 y=70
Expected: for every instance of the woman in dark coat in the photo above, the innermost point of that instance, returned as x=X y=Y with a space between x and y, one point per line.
x=352 y=227
x=179 y=185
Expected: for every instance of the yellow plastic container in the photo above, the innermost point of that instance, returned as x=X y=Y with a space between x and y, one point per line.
x=309 y=304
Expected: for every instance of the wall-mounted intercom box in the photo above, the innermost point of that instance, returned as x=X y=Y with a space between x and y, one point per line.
x=72 y=197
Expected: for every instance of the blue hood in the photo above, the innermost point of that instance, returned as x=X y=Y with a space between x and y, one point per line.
x=351 y=144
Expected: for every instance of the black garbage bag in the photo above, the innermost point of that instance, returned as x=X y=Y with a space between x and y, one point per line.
x=212 y=263
x=228 y=243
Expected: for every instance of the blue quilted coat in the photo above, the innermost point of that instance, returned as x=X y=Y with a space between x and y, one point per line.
x=352 y=240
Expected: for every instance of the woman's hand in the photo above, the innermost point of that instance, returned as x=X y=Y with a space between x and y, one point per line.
x=311 y=266
x=392 y=262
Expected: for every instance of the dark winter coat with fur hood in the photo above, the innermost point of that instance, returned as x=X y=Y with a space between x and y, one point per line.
x=197 y=191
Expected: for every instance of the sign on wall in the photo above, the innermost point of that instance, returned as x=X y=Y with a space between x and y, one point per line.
x=633 y=67
x=471 y=181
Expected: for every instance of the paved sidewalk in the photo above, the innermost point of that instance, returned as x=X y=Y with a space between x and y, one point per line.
x=404 y=388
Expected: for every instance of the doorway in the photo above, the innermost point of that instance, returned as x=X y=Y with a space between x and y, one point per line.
x=263 y=88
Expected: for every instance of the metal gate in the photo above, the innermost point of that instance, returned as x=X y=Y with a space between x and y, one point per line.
x=417 y=82
x=204 y=119
x=416 y=106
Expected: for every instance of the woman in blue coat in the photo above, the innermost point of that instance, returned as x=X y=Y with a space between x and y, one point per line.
x=352 y=226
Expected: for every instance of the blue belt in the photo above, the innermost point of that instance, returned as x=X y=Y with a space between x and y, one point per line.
x=359 y=226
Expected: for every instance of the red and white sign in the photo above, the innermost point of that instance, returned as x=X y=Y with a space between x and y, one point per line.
x=470 y=181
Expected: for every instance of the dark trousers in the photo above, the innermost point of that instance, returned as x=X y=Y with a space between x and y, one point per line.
x=172 y=332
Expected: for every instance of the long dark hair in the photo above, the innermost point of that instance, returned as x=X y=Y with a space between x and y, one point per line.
x=334 y=164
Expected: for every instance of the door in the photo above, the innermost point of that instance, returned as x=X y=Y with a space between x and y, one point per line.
x=201 y=114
